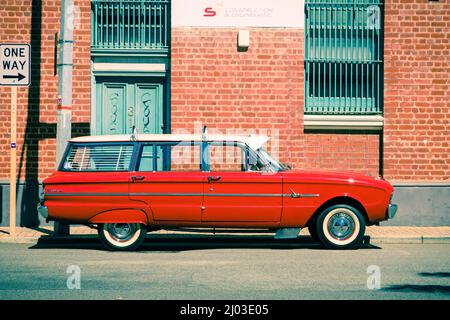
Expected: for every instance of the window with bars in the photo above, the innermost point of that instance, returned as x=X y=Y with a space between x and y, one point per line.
x=343 y=57
x=130 y=24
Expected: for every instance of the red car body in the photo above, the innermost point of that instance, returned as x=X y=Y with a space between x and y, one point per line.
x=283 y=199
x=206 y=199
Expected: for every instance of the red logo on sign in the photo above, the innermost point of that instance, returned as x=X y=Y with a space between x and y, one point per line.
x=209 y=12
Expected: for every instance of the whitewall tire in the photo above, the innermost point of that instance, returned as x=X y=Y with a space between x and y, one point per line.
x=122 y=236
x=340 y=227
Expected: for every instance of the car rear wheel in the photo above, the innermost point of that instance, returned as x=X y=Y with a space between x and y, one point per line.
x=121 y=236
x=340 y=227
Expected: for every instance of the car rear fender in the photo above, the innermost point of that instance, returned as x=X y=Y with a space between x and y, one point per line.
x=120 y=216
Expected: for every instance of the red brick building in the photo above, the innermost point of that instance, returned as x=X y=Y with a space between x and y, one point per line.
x=185 y=57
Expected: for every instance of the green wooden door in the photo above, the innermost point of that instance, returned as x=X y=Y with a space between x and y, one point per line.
x=120 y=105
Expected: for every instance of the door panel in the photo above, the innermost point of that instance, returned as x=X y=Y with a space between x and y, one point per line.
x=148 y=98
x=113 y=108
x=171 y=196
x=122 y=103
x=243 y=196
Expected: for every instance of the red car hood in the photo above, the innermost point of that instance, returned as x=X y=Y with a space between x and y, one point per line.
x=334 y=177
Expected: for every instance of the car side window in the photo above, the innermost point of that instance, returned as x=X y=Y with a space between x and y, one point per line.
x=254 y=163
x=183 y=156
x=228 y=156
x=147 y=162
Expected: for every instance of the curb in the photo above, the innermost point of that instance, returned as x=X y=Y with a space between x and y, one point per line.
x=411 y=240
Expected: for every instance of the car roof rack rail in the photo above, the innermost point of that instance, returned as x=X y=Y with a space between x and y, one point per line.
x=133 y=134
x=204 y=132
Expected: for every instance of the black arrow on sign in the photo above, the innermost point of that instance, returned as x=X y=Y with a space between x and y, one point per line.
x=18 y=76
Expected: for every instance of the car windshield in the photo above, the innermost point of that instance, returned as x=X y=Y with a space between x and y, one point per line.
x=271 y=161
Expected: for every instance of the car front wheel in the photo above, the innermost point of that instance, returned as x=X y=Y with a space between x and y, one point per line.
x=121 y=236
x=340 y=227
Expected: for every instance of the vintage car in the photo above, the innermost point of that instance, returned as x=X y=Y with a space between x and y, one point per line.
x=128 y=185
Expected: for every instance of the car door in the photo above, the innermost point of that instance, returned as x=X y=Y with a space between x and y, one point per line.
x=168 y=178
x=233 y=193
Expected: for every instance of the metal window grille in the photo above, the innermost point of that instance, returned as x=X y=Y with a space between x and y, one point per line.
x=98 y=158
x=130 y=24
x=343 y=57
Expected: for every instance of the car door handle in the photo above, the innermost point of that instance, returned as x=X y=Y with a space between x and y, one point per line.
x=136 y=178
x=214 y=178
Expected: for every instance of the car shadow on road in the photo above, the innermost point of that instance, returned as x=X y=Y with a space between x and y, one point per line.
x=422 y=288
x=435 y=274
x=185 y=242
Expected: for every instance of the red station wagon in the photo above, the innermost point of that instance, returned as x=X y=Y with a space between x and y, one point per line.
x=128 y=185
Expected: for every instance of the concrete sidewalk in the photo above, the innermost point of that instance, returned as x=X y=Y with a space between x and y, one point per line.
x=378 y=234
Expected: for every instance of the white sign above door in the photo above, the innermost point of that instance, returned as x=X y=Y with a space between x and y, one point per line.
x=238 y=13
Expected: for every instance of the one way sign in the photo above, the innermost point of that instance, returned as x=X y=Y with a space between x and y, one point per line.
x=15 y=64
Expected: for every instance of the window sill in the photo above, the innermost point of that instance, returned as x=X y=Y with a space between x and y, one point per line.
x=343 y=122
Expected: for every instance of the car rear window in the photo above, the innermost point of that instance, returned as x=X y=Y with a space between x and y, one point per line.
x=98 y=157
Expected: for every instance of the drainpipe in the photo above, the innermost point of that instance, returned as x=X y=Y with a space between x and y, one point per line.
x=64 y=111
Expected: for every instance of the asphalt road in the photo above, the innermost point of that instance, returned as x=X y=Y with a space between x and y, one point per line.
x=238 y=267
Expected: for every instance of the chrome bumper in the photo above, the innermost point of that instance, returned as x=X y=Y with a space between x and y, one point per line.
x=392 y=210
x=43 y=210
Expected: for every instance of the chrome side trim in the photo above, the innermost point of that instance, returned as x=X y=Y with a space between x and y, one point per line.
x=208 y=194
x=85 y=194
x=299 y=195
x=243 y=195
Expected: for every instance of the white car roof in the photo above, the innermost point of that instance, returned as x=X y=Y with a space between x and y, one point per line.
x=252 y=140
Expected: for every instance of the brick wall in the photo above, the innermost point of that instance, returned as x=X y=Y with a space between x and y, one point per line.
x=259 y=91
x=214 y=84
x=36 y=22
x=342 y=152
x=417 y=90
x=262 y=89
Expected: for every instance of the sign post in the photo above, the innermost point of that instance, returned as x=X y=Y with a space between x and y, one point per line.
x=13 y=164
x=14 y=72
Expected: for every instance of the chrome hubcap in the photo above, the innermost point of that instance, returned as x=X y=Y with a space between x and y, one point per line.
x=341 y=226
x=121 y=231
